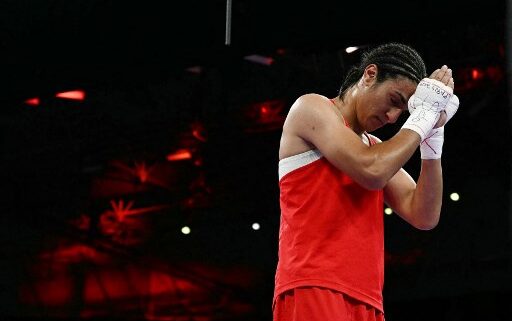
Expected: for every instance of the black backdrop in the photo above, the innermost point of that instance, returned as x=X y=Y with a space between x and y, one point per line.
x=134 y=59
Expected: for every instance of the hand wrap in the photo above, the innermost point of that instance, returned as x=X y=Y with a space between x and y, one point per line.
x=430 y=98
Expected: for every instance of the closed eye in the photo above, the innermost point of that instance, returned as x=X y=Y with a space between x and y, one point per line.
x=396 y=103
x=402 y=98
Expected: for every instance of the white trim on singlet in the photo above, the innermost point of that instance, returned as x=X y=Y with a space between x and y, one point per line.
x=289 y=164
x=366 y=141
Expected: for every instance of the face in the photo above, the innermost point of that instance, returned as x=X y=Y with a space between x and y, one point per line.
x=382 y=103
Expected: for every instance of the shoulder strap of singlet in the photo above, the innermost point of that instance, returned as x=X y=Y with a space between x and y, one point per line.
x=343 y=118
x=371 y=141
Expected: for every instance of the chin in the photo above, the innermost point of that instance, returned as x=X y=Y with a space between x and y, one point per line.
x=373 y=125
x=371 y=128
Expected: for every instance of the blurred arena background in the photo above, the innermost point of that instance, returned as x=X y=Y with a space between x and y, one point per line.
x=139 y=156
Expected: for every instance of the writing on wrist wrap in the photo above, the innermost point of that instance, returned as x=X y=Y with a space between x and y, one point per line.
x=430 y=93
x=450 y=109
x=429 y=99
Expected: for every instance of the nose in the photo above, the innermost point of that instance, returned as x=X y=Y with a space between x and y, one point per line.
x=393 y=114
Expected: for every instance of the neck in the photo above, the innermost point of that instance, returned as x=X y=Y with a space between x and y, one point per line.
x=347 y=108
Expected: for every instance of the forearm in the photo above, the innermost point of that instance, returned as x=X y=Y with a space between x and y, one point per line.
x=428 y=101
x=386 y=158
x=419 y=203
x=427 y=197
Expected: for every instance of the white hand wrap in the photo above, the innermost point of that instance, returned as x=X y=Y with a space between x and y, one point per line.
x=430 y=98
x=452 y=107
x=431 y=92
x=432 y=146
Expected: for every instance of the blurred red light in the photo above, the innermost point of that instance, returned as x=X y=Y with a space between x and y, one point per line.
x=73 y=95
x=33 y=101
x=181 y=154
x=476 y=74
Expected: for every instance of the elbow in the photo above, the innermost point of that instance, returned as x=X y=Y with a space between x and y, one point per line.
x=374 y=180
x=374 y=184
x=427 y=225
x=372 y=174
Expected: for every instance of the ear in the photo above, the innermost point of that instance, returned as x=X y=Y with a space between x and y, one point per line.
x=370 y=75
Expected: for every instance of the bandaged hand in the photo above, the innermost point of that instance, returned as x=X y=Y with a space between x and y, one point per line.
x=430 y=98
x=432 y=146
x=451 y=107
x=450 y=110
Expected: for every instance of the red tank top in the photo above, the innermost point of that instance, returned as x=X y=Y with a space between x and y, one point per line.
x=331 y=230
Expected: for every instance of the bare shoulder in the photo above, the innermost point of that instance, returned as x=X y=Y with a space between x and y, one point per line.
x=307 y=108
x=309 y=101
x=307 y=115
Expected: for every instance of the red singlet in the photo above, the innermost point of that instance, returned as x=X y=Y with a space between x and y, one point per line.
x=331 y=231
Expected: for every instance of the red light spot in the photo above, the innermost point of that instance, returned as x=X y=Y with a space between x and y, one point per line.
x=268 y=111
x=181 y=154
x=266 y=115
x=73 y=95
x=142 y=172
x=198 y=131
x=476 y=74
x=33 y=101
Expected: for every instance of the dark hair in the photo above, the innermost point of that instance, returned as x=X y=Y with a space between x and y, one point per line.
x=392 y=60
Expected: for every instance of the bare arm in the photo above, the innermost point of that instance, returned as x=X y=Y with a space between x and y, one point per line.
x=312 y=118
x=418 y=204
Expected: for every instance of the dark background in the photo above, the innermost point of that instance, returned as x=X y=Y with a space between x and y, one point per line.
x=93 y=210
